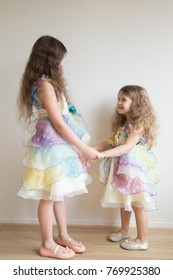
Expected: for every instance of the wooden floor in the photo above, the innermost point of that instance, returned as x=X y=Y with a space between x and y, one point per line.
x=21 y=242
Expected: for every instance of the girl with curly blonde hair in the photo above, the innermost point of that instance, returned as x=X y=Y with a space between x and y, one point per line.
x=129 y=168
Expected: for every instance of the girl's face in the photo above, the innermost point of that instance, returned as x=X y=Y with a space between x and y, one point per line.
x=123 y=104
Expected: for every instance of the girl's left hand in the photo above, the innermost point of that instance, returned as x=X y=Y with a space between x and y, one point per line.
x=82 y=158
x=99 y=156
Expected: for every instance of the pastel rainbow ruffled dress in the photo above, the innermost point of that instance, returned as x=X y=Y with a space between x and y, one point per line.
x=129 y=178
x=54 y=169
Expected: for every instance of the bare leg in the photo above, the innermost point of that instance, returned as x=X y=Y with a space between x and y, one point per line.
x=140 y=242
x=45 y=216
x=141 y=223
x=125 y=219
x=122 y=233
x=61 y=220
x=63 y=238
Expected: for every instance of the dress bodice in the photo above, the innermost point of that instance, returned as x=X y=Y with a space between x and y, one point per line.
x=121 y=136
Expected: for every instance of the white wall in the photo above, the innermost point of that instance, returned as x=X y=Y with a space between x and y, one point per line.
x=110 y=43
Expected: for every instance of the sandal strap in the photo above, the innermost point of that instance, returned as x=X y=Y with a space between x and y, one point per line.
x=71 y=241
x=56 y=250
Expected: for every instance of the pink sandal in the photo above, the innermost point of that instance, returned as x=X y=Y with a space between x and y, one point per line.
x=63 y=254
x=76 y=246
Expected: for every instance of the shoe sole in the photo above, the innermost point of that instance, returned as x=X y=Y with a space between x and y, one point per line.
x=118 y=239
x=63 y=256
x=131 y=249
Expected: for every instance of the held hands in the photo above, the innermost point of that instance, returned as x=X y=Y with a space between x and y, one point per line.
x=90 y=154
x=99 y=156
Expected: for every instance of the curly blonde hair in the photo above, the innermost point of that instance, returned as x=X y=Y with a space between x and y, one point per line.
x=45 y=58
x=141 y=117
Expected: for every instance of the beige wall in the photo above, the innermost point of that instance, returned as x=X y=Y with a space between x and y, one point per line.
x=110 y=43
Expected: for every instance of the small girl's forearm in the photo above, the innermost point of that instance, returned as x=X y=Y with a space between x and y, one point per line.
x=117 y=151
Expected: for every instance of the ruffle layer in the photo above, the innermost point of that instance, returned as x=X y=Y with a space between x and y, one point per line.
x=36 y=178
x=139 y=157
x=126 y=193
x=114 y=199
x=45 y=134
x=132 y=173
x=66 y=187
x=45 y=157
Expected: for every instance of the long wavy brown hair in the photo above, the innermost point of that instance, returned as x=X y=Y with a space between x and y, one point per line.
x=142 y=115
x=45 y=58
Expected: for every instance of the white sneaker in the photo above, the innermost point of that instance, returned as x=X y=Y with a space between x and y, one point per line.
x=134 y=245
x=119 y=235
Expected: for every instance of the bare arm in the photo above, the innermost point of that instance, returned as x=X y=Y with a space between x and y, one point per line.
x=48 y=97
x=132 y=140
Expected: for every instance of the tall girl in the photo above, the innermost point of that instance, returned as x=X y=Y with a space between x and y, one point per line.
x=57 y=144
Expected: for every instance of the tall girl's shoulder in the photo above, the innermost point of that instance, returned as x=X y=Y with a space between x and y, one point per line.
x=45 y=90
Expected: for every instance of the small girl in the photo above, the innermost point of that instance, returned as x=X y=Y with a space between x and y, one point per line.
x=57 y=145
x=129 y=168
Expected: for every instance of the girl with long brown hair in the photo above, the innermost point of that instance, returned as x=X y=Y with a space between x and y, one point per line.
x=57 y=144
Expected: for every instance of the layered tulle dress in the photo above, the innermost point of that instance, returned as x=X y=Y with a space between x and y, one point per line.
x=129 y=178
x=54 y=169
